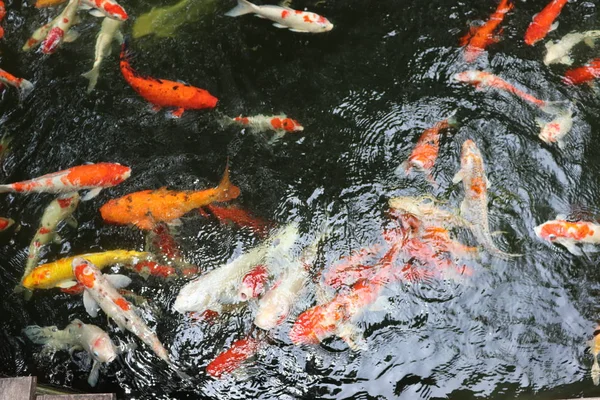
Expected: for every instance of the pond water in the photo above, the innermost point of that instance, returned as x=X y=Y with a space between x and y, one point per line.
x=364 y=92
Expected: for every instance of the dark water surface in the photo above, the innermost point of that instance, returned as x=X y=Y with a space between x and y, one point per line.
x=364 y=93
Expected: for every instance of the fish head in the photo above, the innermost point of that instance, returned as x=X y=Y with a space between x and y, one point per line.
x=253 y=283
x=323 y=23
x=291 y=125
x=310 y=327
x=550 y=231
x=85 y=272
x=471 y=76
x=115 y=11
x=271 y=314
x=193 y=297
x=53 y=40
x=103 y=349
x=203 y=99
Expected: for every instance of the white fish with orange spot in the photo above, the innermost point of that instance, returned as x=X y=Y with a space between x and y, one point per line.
x=284 y=17
x=100 y=292
x=595 y=351
x=60 y=28
x=57 y=211
x=555 y=130
x=570 y=233
x=474 y=206
x=76 y=335
x=105 y=8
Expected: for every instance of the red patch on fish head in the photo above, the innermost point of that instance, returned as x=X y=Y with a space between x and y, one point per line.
x=117 y=11
x=64 y=203
x=53 y=40
x=284 y=14
x=85 y=275
x=122 y=303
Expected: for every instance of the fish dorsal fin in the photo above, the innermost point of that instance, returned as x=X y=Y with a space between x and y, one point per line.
x=90 y=304
x=286 y=4
x=118 y=281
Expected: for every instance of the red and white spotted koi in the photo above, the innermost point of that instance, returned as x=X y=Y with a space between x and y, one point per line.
x=60 y=27
x=100 y=292
x=569 y=234
x=105 y=8
x=253 y=283
x=92 y=177
x=278 y=123
x=22 y=85
x=555 y=130
x=284 y=17
x=57 y=211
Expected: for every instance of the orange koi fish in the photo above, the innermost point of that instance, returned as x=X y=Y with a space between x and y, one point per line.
x=587 y=73
x=543 y=22
x=568 y=233
x=479 y=38
x=22 y=85
x=240 y=217
x=2 y=15
x=48 y=3
x=147 y=207
x=165 y=93
x=482 y=79
x=233 y=357
x=92 y=177
x=426 y=150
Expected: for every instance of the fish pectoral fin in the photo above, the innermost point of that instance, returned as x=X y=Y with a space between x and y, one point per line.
x=553 y=26
x=496 y=233
x=66 y=284
x=549 y=44
x=119 y=37
x=56 y=238
x=299 y=30
x=94 y=374
x=353 y=336
x=72 y=222
x=91 y=194
x=84 y=7
x=590 y=248
x=285 y=4
x=277 y=25
x=71 y=36
x=177 y=113
x=90 y=304
x=571 y=247
x=590 y=42
x=566 y=60
x=118 y=281
x=97 y=13
x=458 y=177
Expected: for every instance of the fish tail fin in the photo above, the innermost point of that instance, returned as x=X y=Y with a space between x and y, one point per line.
x=243 y=7
x=25 y=88
x=39 y=335
x=227 y=189
x=92 y=76
x=506 y=5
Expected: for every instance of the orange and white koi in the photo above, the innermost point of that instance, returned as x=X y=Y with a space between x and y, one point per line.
x=474 y=206
x=229 y=360
x=595 y=351
x=220 y=286
x=284 y=17
x=558 y=53
x=109 y=32
x=59 y=28
x=426 y=211
x=555 y=130
x=426 y=150
x=240 y=217
x=584 y=74
x=281 y=124
x=147 y=207
x=482 y=79
x=165 y=93
x=101 y=293
x=569 y=234
x=6 y=223
x=92 y=177
x=56 y=212
x=479 y=38
x=253 y=283
x=22 y=85
x=105 y=8
x=90 y=338
x=543 y=22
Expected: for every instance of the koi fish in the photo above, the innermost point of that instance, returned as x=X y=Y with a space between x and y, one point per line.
x=253 y=283
x=160 y=240
x=22 y=85
x=105 y=8
x=165 y=93
x=92 y=177
x=284 y=17
x=59 y=28
x=220 y=286
x=587 y=73
x=101 y=293
x=241 y=218
x=56 y=212
x=543 y=22
x=152 y=268
x=426 y=211
x=76 y=335
x=555 y=130
x=275 y=305
x=48 y=3
x=6 y=223
x=568 y=234
x=426 y=150
x=109 y=32
x=60 y=273
x=595 y=351
x=2 y=15
x=479 y=38
x=558 y=53
x=229 y=360
x=280 y=124
x=474 y=206
x=143 y=209
x=482 y=79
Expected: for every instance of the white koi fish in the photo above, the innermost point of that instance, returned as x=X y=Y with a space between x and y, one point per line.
x=558 y=53
x=76 y=335
x=474 y=206
x=220 y=286
x=109 y=32
x=100 y=292
x=425 y=209
x=555 y=130
x=58 y=210
x=284 y=17
x=59 y=29
x=105 y=8
x=569 y=234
